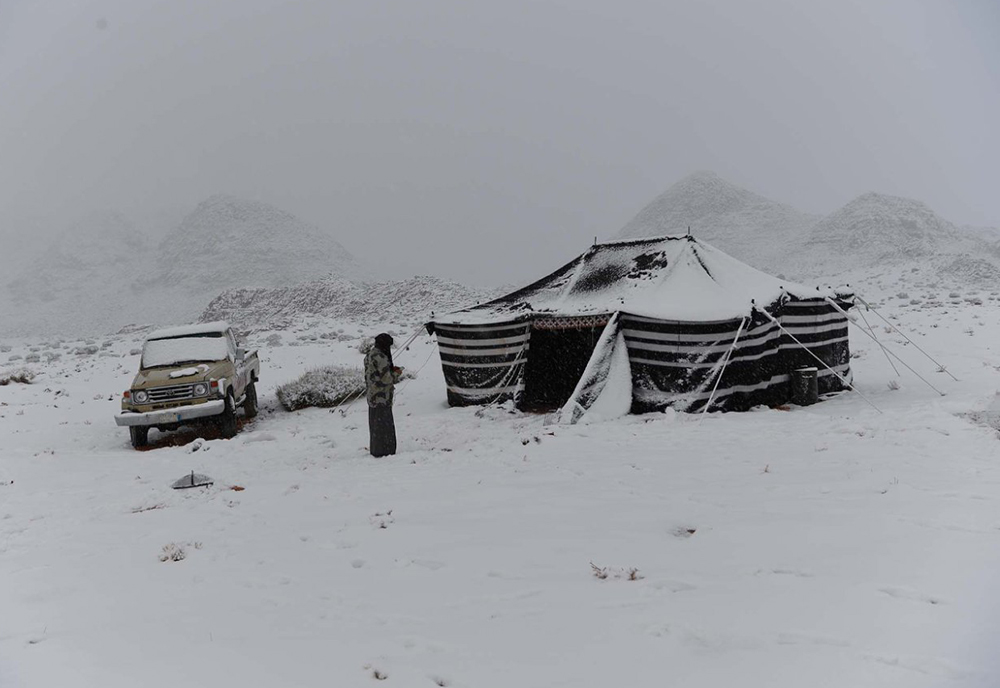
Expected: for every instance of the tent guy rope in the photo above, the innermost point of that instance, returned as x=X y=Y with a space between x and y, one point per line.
x=884 y=348
x=903 y=335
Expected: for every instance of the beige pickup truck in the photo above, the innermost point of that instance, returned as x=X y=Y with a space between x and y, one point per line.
x=190 y=374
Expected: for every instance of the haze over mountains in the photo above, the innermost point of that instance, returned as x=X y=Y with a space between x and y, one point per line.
x=104 y=272
x=250 y=261
x=869 y=235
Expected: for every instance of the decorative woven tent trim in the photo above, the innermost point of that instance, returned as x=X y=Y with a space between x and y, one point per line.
x=570 y=322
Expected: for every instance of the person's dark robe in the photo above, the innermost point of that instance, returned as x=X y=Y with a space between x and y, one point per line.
x=382 y=429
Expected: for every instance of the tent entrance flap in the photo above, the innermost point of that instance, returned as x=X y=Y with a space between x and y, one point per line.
x=555 y=364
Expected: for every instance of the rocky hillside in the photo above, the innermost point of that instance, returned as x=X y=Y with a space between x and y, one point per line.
x=407 y=302
x=734 y=219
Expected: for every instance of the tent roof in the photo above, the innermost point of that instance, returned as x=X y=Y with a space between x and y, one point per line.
x=669 y=278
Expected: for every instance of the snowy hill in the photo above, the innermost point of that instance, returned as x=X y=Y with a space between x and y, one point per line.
x=875 y=228
x=876 y=232
x=407 y=302
x=228 y=242
x=105 y=272
x=898 y=240
x=740 y=222
x=82 y=281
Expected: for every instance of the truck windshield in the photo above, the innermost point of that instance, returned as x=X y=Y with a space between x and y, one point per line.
x=182 y=350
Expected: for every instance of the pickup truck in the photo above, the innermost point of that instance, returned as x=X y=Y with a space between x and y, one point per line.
x=188 y=375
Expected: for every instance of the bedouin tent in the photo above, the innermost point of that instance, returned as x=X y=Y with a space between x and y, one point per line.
x=644 y=325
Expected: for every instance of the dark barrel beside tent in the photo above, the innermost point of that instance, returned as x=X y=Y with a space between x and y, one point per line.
x=694 y=325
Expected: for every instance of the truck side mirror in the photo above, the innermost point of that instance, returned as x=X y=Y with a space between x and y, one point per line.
x=240 y=353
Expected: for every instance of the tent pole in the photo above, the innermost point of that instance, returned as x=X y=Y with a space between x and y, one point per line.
x=884 y=348
x=900 y=332
x=725 y=362
x=821 y=361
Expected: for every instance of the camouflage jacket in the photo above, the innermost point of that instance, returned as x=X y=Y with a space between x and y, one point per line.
x=380 y=378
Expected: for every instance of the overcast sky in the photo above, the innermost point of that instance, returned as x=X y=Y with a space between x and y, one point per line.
x=489 y=141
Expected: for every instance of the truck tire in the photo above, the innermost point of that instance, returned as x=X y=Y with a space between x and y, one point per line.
x=227 y=420
x=250 y=399
x=139 y=434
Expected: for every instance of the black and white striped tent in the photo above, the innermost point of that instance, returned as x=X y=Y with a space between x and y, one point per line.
x=676 y=322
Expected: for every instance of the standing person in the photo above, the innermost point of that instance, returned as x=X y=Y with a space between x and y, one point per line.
x=380 y=380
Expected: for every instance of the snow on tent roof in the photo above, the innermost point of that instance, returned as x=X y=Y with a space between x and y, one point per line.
x=669 y=278
x=217 y=327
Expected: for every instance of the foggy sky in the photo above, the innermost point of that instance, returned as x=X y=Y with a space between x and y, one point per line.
x=488 y=141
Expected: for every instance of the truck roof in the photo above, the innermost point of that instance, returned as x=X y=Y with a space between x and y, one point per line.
x=217 y=327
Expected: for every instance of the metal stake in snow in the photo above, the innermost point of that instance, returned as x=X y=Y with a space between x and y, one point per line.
x=725 y=362
x=884 y=348
x=193 y=480
x=821 y=361
x=903 y=335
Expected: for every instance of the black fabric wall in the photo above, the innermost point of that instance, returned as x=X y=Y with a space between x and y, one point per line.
x=674 y=364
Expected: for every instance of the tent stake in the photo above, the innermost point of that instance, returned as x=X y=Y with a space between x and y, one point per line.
x=885 y=348
x=821 y=361
x=725 y=362
x=900 y=332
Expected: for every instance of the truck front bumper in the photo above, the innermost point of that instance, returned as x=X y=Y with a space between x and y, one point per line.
x=179 y=414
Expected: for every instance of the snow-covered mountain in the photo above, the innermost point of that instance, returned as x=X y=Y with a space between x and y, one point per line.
x=406 y=302
x=233 y=242
x=738 y=221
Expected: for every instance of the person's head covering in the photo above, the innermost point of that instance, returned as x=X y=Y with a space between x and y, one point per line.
x=383 y=343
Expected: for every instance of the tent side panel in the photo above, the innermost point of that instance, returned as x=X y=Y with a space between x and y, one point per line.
x=675 y=364
x=824 y=331
x=483 y=363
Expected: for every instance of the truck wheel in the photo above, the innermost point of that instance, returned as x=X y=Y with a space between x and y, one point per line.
x=139 y=434
x=227 y=421
x=250 y=401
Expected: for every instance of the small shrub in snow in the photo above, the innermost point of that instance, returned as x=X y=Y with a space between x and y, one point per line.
x=893 y=385
x=88 y=350
x=176 y=552
x=51 y=356
x=135 y=352
x=5 y=349
x=274 y=340
x=605 y=572
x=902 y=295
x=15 y=357
x=323 y=388
x=172 y=552
x=22 y=376
x=32 y=358
x=954 y=295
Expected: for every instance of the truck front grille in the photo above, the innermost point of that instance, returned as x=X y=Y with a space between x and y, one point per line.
x=173 y=393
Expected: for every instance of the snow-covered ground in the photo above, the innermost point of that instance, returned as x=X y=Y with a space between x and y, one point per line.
x=820 y=546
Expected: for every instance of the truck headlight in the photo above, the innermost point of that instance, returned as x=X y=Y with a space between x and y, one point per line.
x=140 y=396
x=201 y=389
